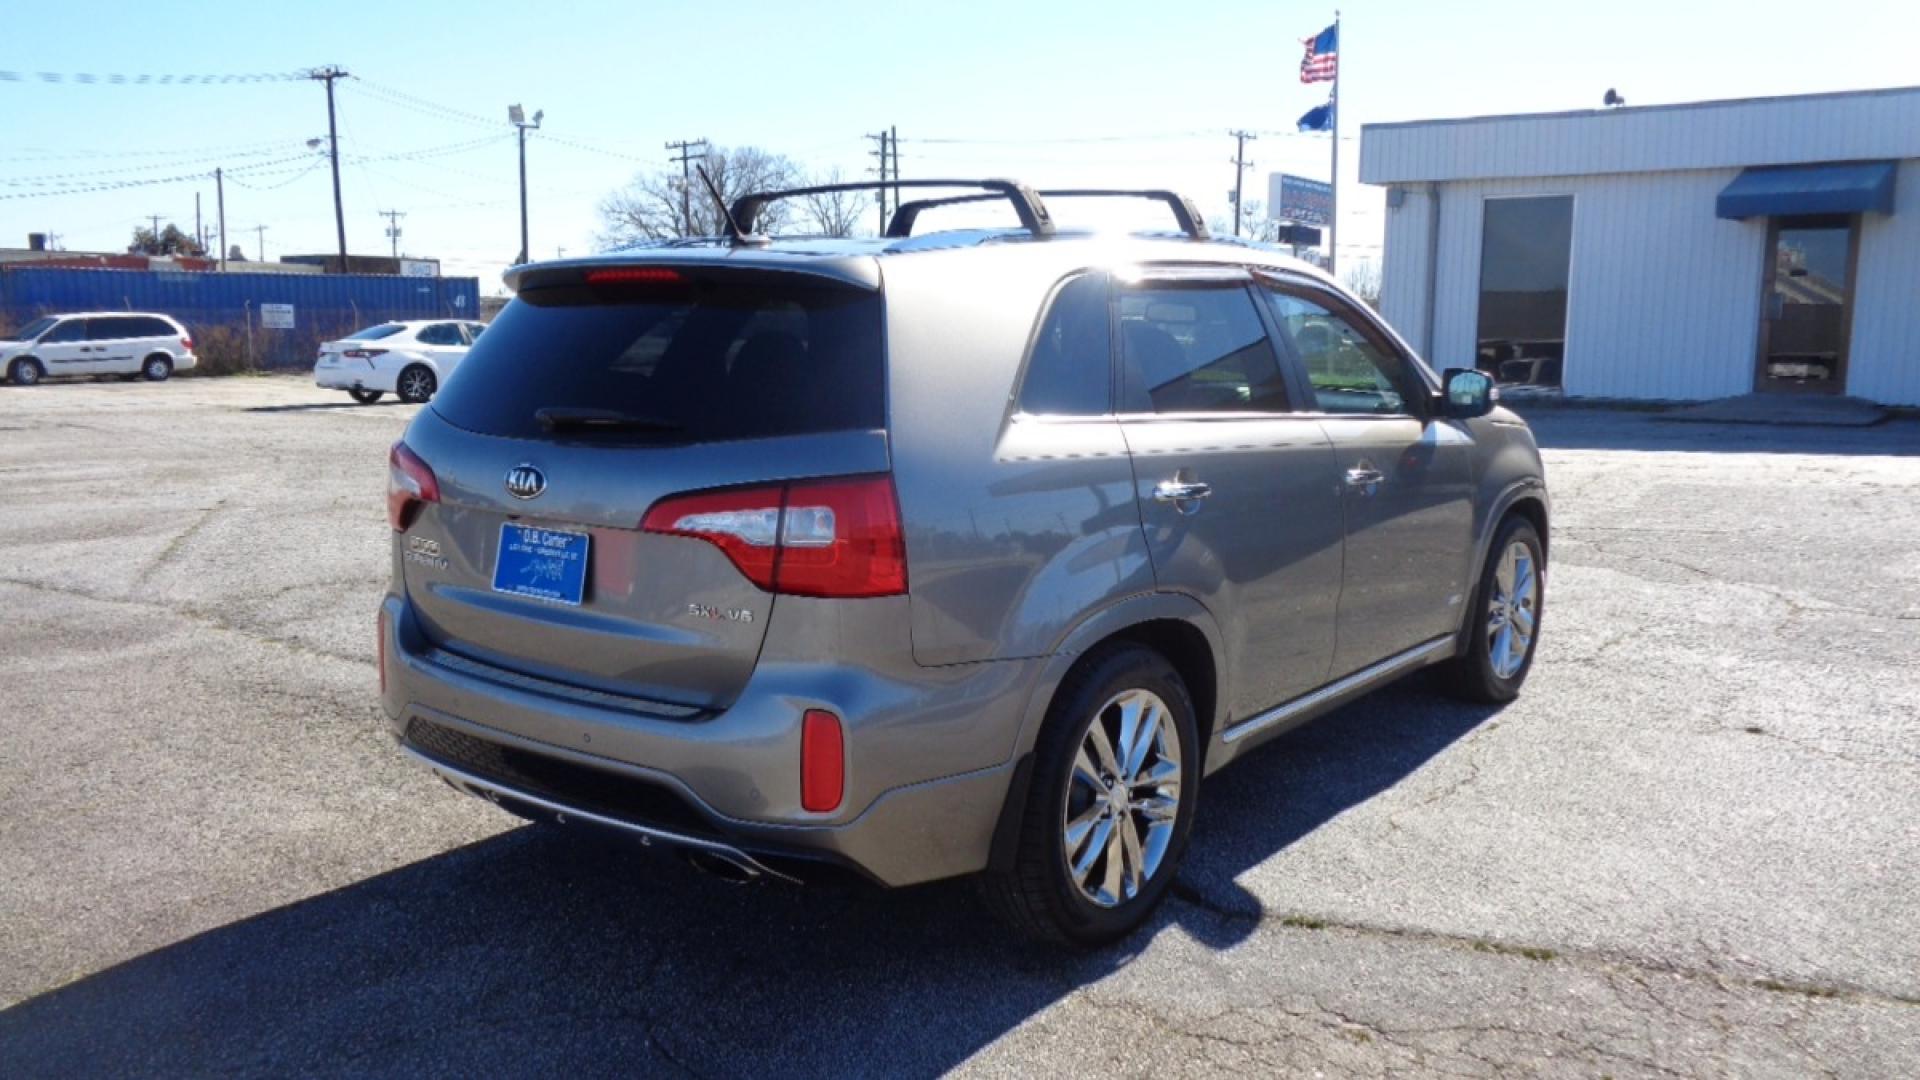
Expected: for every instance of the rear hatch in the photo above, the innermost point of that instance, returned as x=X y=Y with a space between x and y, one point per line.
x=700 y=394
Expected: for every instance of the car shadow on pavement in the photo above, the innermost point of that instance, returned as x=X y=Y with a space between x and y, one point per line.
x=322 y=406
x=542 y=951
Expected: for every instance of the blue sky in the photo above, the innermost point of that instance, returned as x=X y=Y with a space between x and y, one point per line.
x=1149 y=90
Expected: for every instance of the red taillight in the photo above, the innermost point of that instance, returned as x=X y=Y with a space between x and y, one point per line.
x=833 y=538
x=823 y=761
x=186 y=343
x=635 y=275
x=364 y=354
x=409 y=483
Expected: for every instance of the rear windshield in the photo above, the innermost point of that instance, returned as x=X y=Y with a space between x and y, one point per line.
x=688 y=363
x=375 y=333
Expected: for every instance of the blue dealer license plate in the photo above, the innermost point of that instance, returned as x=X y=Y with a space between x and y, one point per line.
x=546 y=564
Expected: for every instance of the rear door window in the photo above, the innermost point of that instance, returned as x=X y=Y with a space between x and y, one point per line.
x=1071 y=370
x=441 y=334
x=1197 y=348
x=699 y=361
x=113 y=328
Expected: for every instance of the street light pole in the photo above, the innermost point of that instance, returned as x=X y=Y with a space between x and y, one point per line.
x=518 y=118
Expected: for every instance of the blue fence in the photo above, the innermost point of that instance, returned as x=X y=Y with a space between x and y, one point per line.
x=227 y=307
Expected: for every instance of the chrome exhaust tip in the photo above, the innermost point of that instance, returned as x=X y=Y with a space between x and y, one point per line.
x=725 y=867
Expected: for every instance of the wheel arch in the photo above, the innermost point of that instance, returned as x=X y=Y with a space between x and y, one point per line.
x=1176 y=626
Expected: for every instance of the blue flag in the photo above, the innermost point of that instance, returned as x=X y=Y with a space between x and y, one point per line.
x=1319 y=118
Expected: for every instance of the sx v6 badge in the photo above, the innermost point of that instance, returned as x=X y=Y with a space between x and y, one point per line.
x=716 y=614
x=424 y=552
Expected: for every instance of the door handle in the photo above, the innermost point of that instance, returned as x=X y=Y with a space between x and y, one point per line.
x=1181 y=490
x=1364 y=476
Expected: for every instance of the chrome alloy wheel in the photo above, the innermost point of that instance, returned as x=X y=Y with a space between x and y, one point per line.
x=1512 y=610
x=416 y=385
x=1123 y=798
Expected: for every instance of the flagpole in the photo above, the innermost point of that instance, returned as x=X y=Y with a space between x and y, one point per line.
x=1333 y=220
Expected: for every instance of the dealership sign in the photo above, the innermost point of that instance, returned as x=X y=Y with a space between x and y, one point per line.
x=1300 y=200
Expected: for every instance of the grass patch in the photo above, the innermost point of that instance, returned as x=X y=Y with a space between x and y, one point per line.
x=1304 y=922
x=1779 y=987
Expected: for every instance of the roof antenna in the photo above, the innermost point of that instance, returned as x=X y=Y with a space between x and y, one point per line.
x=734 y=235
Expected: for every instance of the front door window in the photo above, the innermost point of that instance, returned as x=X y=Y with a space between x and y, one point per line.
x=1807 y=306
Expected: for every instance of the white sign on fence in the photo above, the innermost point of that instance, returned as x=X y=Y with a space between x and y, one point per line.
x=276 y=316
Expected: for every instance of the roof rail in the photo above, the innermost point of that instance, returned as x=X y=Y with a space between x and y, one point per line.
x=1026 y=205
x=1184 y=212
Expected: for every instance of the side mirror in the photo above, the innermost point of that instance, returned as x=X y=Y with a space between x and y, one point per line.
x=1467 y=393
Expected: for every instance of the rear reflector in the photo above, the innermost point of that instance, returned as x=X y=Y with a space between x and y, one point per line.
x=823 y=761
x=830 y=538
x=635 y=275
x=409 y=484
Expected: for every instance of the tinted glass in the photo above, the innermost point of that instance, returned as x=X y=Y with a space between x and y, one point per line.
x=1071 y=371
x=1352 y=370
x=152 y=327
x=702 y=363
x=111 y=329
x=1188 y=349
x=71 y=330
x=440 y=334
x=1806 y=316
x=1526 y=253
x=32 y=330
x=375 y=333
x=473 y=330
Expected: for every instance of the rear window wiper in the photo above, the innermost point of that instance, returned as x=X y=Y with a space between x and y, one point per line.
x=609 y=420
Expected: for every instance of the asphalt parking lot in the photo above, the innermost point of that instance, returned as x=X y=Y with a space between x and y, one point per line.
x=1692 y=847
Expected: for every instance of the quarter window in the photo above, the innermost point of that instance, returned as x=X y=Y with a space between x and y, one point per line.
x=1197 y=349
x=1351 y=371
x=1071 y=371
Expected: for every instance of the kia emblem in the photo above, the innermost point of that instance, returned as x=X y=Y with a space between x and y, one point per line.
x=525 y=481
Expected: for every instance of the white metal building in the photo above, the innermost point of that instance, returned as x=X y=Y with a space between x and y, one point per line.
x=1666 y=252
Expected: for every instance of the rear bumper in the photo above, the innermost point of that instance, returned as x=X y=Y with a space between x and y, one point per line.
x=344 y=377
x=691 y=783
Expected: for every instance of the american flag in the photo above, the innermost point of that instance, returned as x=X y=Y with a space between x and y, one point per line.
x=1322 y=61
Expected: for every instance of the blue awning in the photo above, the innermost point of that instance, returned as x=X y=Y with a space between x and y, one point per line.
x=1787 y=190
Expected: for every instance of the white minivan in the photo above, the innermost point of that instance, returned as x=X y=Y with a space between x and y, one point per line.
x=125 y=343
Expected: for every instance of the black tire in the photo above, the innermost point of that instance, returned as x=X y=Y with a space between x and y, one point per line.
x=1037 y=895
x=364 y=397
x=416 y=384
x=157 y=368
x=25 y=371
x=1471 y=675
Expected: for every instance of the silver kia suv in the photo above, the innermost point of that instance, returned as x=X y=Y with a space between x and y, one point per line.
x=964 y=552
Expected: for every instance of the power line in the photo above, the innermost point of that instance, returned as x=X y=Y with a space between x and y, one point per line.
x=86 y=78
x=685 y=156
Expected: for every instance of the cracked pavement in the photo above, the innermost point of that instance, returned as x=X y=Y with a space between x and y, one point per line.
x=1691 y=848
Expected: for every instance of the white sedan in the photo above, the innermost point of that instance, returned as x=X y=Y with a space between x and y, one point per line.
x=408 y=359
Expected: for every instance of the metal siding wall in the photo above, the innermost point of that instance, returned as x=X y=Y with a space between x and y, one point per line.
x=1663 y=298
x=1883 y=363
x=1881 y=124
x=1403 y=269
x=325 y=305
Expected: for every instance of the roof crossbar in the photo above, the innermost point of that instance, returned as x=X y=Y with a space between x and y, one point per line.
x=1026 y=204
x=1184 y=212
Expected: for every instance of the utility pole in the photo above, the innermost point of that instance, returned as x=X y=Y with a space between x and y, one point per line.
x=393 y=228
x=157 y=248
x=198 y=236
x=1240 y=164
x=685 y=157
x=518 y=118
x=220 y=204
x=260 y=242
x=328 y=75
x=883 y=139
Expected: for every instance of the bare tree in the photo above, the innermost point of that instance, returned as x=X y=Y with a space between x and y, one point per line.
x=1364 y=279
x=839 y=213
x=649 y=208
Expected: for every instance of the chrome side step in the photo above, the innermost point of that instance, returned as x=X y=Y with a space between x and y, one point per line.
x=493 y=791
x=1359 y=680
